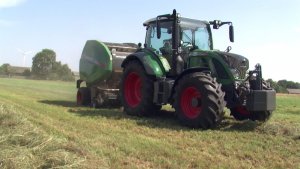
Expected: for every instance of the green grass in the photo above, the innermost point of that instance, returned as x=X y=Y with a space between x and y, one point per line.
x=41 y=127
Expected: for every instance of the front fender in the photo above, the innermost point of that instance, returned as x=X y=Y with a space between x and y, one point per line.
x=151 y=64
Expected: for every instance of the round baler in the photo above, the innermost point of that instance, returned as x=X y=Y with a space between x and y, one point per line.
x=100 y=69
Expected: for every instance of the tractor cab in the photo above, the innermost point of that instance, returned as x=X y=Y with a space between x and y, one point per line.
x=174 y=37
x=193 y=34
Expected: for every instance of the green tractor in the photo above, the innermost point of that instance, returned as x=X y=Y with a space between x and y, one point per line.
x=178 y=66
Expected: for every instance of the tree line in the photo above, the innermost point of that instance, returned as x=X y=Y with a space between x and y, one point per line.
x=282 y=85
x=44 y=67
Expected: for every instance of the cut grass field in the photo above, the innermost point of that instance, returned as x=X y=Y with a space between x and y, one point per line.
x=41 y=127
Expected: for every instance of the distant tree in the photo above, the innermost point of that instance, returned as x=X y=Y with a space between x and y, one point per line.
x=1 y=70
x=26 y=73
x=44 y=66
x=292 y=85
x=66 y=73
x=288 y=84
x=278 y=88
x=62 y=72
x=282 y=83
x=298 y=85
x=6 y=69
x=42 y=63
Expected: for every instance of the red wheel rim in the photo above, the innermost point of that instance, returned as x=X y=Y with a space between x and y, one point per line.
x=242 y=110
x=79 y=98
x=133 y=88
x=190 y=102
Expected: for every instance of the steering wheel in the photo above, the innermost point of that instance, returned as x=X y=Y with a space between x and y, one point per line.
x=187 y=45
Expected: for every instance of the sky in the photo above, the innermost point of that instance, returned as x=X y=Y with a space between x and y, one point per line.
x=266 y=32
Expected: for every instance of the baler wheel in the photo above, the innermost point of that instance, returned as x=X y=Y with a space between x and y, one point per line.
x=83 y=97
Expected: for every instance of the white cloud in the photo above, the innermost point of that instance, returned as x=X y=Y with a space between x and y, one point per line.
x=10 y=3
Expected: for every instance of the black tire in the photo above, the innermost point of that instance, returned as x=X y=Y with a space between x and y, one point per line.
x=262 y=116
x=253 y=115
x=240 y=113
x=83 y=97
x=136 y=90
x=199 y=101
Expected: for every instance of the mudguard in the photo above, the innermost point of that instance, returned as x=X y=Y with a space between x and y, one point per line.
x=154 y=65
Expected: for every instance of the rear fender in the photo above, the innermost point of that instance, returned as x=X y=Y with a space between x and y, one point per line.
x=152 y=65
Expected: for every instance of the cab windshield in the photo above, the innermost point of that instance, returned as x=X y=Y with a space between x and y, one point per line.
x=196 y=37
x=194 y=34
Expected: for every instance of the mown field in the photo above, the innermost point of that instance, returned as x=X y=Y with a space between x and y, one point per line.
x=41 y=127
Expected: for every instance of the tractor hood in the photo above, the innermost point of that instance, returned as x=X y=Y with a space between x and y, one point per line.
x=235 y=61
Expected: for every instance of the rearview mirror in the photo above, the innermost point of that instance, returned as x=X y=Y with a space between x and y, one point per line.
x=231 y=33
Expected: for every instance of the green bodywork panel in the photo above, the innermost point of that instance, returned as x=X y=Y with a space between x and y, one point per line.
x=201 y=58
x=95 y=62
x=153 y=64
x=165 y=63
x=159 y=66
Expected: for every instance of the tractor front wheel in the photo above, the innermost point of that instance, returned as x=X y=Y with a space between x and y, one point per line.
x=199 y=101
x=136 y=90
x=240 y=113
x=261 y=115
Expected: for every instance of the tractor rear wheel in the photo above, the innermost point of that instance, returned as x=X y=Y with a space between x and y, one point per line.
x=199 y=101
x=136 y=90
x=83 y=97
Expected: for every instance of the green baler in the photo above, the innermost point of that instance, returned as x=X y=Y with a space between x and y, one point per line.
x=100 y=68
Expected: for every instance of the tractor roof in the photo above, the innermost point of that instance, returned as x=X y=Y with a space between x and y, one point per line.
x=186 y=21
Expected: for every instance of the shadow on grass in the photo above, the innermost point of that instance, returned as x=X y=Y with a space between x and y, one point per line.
x=165 y=119
x=161 y=119
x=62 y=103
